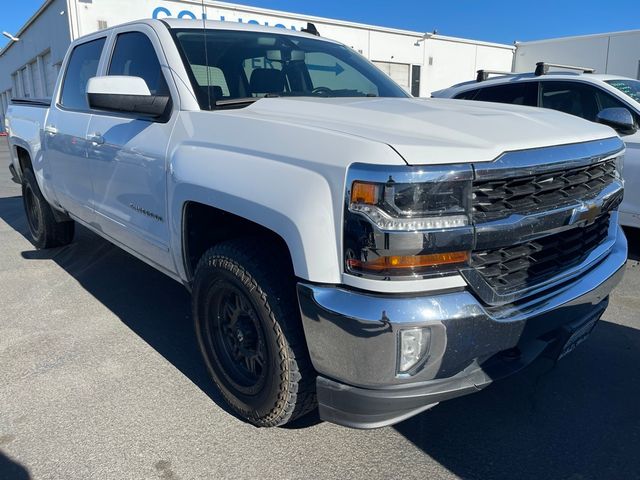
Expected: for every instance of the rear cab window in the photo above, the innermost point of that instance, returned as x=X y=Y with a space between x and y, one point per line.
x=521 y=93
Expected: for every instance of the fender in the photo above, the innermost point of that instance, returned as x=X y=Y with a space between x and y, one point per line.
x=283 y=175
x=289 y=200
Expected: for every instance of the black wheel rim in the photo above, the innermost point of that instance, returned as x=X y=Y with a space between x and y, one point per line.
x=235 y=339
x=34 y=215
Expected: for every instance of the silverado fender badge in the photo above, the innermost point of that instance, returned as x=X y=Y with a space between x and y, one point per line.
x=146 y=212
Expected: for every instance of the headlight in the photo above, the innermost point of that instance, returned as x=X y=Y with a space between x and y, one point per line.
x=407 y=221
x=411 y=207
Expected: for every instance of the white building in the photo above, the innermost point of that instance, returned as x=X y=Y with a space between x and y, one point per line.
x=616 y=53
x=420 y=62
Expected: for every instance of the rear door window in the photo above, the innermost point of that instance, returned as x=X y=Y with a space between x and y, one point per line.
x=521 y=93
x=83 y=65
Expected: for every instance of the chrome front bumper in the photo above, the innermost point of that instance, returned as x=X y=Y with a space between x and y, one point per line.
x=353 y=340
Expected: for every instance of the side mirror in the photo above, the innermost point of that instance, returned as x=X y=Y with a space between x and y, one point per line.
x=124 y=94
x=620 y=119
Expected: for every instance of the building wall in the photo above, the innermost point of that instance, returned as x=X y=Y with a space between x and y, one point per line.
x=449 y=61
x=29 y=67
x=615 y=53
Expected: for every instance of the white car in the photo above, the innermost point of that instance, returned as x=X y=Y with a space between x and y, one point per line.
x=345 y=244
x=581 y=93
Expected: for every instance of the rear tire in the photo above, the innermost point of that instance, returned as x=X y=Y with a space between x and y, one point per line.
x=249 y=331
x=45 y=230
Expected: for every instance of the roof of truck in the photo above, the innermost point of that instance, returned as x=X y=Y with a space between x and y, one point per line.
x=175 y=23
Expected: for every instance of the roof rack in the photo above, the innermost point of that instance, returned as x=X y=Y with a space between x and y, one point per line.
x=483 y=75
x=542 y=68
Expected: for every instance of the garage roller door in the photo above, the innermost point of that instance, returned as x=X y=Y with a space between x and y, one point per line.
x=399 y=72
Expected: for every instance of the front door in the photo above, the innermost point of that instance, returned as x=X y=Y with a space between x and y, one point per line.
x=127 y=155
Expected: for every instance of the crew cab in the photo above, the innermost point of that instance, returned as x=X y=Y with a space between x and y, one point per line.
x=346 y=246
x=578 y=91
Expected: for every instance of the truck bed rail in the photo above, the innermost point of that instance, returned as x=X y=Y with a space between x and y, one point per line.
x=34 y=102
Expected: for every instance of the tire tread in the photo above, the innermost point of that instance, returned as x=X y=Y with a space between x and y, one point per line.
x=297 y=395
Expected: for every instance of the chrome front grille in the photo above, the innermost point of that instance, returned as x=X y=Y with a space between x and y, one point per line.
x=541 y=217
x=499 y=198
x=528 y=264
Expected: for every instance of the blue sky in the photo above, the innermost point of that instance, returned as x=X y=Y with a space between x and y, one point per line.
x=497 y=21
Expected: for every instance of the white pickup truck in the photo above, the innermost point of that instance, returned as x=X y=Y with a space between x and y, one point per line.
x=346 y=245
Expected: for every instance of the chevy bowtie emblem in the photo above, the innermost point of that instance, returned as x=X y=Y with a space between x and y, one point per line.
x=587 y=212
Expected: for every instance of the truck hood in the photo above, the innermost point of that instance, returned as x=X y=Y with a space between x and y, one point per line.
x=434 y=131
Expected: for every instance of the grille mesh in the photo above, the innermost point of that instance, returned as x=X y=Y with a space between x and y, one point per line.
x=500 y=198
x=513 y=268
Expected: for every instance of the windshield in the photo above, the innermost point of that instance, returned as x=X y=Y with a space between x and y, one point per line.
x=631 y=88
x=237 y=67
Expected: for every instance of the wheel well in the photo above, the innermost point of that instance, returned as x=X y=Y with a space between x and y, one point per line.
x=24 y=159
x=204 y=226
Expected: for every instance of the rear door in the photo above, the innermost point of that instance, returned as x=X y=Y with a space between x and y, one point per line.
x=65 y=144
x=127 y=153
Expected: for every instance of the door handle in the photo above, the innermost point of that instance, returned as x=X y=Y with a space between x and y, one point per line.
x=50 y=130
x=96 y=138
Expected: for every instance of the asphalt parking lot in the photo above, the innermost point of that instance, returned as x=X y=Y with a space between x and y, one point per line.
x=100 y=377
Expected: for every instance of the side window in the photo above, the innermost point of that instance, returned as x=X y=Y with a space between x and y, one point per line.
x=470 y=95
x=82 y=66
x=522 y=93
x=606 y=100
x=327 y=71
x=574 y=98
x=135 y=56
x=264 y=76
x=214 y=78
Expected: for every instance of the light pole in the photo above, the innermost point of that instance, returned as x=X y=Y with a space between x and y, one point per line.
x=10 y=37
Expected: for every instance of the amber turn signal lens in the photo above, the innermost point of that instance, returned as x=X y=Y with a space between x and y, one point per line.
x=409 y=261
x=365 y=193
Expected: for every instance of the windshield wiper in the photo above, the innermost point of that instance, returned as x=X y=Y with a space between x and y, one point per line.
x=236 y=101
x=243 y=101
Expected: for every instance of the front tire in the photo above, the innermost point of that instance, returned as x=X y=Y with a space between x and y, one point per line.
x=45 y=230
x=249 y=332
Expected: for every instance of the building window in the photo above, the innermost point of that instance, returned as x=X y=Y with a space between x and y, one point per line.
x=16 y=84
x=26 y=82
